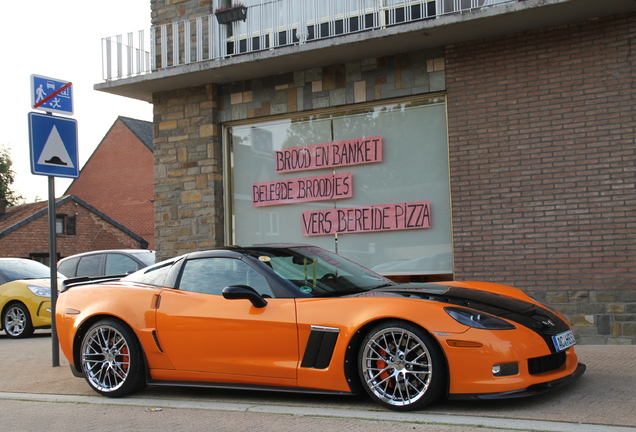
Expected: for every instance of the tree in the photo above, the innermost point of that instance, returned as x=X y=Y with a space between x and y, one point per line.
x=7 y=176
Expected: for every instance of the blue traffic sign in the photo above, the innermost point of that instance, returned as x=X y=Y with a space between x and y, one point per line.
x=53 y=145
x=51 y=95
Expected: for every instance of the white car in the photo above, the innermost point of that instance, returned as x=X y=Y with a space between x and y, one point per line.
x=113 y=262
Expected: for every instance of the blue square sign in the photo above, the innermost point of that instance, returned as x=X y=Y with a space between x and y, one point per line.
x=51 y=95
x=53 y=145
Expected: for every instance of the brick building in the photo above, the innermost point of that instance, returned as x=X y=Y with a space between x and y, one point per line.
x=24 y=230
x=510 y=122
x=118 y=178
x=108 y=207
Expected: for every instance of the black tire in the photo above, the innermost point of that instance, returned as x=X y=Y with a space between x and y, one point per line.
x=401 y=366
x=16 y=321
x=112 y=360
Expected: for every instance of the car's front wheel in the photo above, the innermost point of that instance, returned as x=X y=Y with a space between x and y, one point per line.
x=111 y=359
x=16 y=321
x=401 y=366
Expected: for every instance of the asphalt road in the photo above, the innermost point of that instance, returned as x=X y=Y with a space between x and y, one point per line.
x=34 y=395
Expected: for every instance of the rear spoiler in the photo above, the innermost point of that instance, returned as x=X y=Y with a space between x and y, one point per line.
x=88 y=280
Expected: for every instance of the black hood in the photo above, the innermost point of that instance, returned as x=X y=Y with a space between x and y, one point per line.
x=537 y=318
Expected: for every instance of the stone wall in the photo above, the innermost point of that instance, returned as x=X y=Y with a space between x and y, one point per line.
x=166 y=11
x=188 y=171
x=599 y=317
x=374 y=79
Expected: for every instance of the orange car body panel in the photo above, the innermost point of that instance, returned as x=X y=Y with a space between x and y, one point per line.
x=207 y=333
x=197 y=337
x=340 y=313
x=472 y=367
x=124 y=303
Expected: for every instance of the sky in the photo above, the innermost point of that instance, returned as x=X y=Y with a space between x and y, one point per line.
x=61 y=39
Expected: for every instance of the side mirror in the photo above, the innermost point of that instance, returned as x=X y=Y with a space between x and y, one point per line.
x=234 y=292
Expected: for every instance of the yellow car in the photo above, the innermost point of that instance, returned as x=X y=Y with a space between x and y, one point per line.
x=25 y=296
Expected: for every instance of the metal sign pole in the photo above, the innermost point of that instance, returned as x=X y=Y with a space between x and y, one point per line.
x=53 y=150
x=55 y=347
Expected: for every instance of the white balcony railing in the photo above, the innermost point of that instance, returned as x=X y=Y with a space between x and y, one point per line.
x=270 y=24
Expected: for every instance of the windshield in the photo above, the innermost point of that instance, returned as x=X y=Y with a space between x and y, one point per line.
x=17 y=269
x=319 y=272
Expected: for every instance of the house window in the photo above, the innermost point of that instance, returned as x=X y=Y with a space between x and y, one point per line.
x=59 y=224
x=65 y=225
x=44 y=258
x=70 y=225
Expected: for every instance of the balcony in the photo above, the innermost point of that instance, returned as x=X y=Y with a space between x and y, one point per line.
x=287 y=35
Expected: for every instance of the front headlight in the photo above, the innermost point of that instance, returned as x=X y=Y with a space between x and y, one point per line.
x=479 y=320
x=40 y=291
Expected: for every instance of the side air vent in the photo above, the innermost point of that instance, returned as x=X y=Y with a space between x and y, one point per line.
x=154 y=336
x=320 y=346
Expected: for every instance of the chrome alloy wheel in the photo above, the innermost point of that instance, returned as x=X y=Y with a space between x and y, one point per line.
x=105 y=358
x=15 y=321
x=396 y=366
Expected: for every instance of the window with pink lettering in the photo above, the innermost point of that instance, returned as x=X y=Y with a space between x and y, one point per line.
x=371 y=183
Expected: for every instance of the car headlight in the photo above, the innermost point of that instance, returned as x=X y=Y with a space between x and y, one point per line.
x=40 y=291
x=476 y=319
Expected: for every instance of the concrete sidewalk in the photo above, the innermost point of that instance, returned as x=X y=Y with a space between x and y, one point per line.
x=605 y=395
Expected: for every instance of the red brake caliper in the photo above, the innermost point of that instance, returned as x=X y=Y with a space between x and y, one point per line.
x=381 y=364
x=125 y=358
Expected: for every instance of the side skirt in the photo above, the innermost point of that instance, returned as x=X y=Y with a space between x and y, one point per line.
x=236 y=386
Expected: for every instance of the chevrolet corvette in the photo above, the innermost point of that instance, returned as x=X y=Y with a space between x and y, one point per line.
x=298 y=318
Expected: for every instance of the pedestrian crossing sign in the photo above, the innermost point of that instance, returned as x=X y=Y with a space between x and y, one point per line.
x=53 y=145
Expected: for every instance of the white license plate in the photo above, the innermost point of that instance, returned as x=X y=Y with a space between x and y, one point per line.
x=564 y=340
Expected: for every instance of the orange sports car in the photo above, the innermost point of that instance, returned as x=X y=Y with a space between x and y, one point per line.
x=299 y=318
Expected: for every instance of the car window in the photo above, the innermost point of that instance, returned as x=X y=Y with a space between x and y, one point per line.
x=118 y=264
x=211 y=275
x=155 y=275
x=89 y=265
x=14 y=269
x=298 y=269
x=319 y=272
x=67 y=267
x=146 y=257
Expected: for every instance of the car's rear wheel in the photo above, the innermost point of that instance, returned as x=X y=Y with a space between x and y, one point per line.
x=112 y=360
x=401 y=366
x=16 y=321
